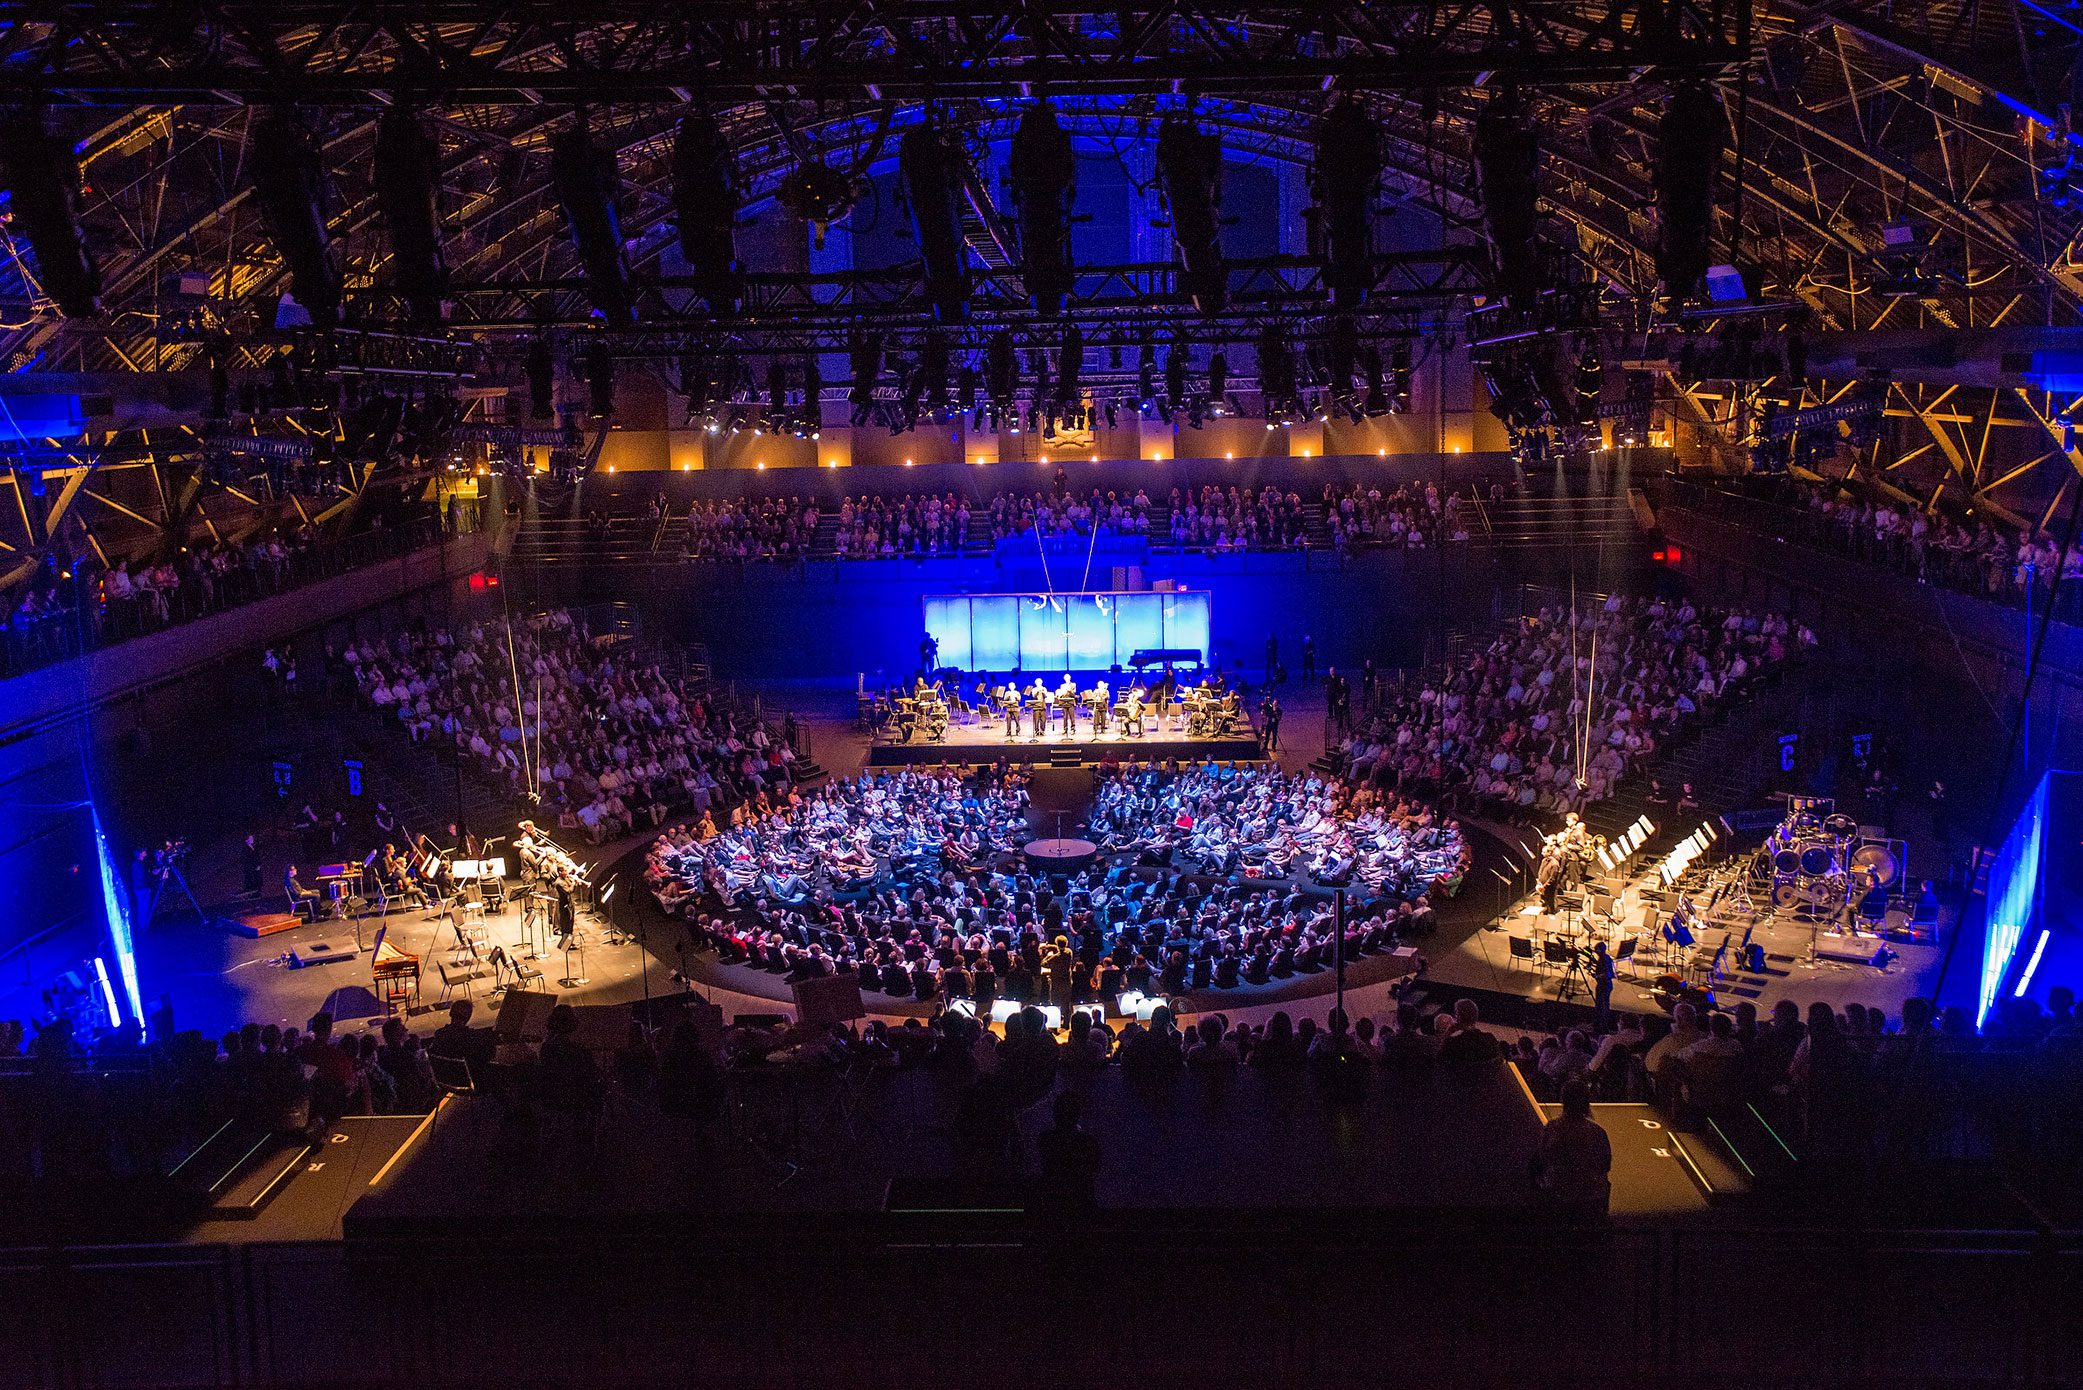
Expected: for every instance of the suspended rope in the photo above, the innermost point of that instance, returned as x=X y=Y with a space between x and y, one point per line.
x=513 y=666
x=1091 y=545
x=1041 y=549
x=1576 y=682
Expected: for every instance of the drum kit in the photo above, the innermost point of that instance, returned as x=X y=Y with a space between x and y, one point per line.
x=1823 y=862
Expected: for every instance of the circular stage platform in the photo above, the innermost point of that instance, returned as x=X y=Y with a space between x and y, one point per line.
x=1060 y=856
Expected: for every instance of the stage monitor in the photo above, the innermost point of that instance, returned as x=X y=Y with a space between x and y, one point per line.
x=1064 y=632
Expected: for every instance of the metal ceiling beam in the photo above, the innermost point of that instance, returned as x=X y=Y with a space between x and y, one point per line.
x=232 y=52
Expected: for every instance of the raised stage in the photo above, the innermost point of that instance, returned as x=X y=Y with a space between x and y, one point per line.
x=978 y=743
x=1802 y=958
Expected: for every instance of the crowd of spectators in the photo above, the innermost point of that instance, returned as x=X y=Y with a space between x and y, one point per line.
x=1979 y=554
x=910 y=524
x=59 y=610
x=1847 y=1089
x=746 y=528
x=1064 y=513
x=603 y=741
x=905 y=881
x=1410 y=517
x=1556 y=709
x=1210 y=518
x=1851 y=1083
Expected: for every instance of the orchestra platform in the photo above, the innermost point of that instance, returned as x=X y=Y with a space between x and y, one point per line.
x=1746 y=948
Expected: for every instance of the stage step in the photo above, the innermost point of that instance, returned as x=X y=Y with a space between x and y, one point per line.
x=1712 y=1168
x=255 y=925
x=239 y=1167
x=1070 y=755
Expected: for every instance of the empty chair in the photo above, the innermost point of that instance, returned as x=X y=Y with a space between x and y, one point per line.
x=1523 y=954
x=1626 y=956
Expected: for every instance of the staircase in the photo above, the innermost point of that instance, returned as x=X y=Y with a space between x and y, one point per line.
x=625 y=540
x=1728 y=761
x=1525 y=520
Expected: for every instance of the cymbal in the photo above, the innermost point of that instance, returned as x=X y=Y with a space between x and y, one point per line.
x=1878 y=861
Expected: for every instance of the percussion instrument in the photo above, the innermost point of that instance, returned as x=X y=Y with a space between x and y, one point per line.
x=1840 y=825
x=1787 y=860
x=1878 y=863
x=1818 y=858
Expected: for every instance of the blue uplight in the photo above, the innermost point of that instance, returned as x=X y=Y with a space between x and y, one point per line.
x=2014 y=893
x=118 y=919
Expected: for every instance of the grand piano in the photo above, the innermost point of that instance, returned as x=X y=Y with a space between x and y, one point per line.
x=1145 y=657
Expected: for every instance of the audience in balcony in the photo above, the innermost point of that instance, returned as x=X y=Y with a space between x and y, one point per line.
x=58 y=610
x=747 y=528
x=1979 y=554
x=887 y=528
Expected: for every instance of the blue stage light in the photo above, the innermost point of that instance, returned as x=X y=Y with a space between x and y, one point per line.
x=118 y=919
x=2014 y=882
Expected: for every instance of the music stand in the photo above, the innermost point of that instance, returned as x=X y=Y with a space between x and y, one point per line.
x=574 y=940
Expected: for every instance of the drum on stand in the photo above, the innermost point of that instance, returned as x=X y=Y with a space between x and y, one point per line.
x=1785 y=893
x=1818 y=859
x=1786 y=861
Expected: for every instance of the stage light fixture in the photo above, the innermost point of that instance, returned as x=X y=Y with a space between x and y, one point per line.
x=777 y=394
x=813 y=415
x=864 y=357
x=818 y=194
x=706 y=198
x=1146 y=375
x=1341 y=360
x=1189 y=170
x=934 y=364
x=1690 y=139
x=1001 y=371
x=1218 y=380
x=1591 y=376
x=1276 y=373
x=1507 y=175
x=289 y=183
x=1113 y=416
x=42 y=178
x=408 y=195
x=1399 y=377
x=1174 y=378
x=1070 y=364
x=930 y=166
x=1044 y=181
x=600 y=379
x=587 y=182
x=1347 y=176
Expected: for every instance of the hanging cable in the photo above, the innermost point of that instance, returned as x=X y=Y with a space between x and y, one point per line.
x=513 y=666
